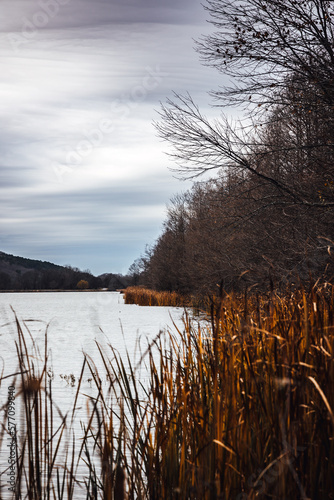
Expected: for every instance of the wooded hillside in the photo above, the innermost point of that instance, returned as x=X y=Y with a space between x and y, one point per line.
x=19 y=273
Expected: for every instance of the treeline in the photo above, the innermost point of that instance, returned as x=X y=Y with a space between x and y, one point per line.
x=18 y=273
x=220 y=231
x=267 y=215
x=50 y=279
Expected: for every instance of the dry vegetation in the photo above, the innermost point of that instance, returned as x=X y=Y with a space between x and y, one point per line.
x=146 y=297
x=239 y=407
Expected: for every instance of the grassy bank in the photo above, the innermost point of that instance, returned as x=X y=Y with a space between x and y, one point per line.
x=238 y=408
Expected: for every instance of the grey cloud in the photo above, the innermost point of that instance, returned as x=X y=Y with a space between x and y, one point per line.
x=51 y=225
x=89 y=63
x=14 y=176
x=29 y=15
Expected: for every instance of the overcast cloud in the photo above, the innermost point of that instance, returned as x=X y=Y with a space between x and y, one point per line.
x=84 y=179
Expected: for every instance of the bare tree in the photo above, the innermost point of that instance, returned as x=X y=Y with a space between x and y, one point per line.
x=280 y=54
x=261 y=43
x=200 y=146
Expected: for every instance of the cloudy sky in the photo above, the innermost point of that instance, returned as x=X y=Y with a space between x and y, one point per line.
x=84 y=178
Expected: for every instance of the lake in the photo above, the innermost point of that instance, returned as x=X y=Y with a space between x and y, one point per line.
x=75 y=322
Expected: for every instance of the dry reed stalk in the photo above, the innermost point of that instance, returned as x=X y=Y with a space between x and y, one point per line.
x=238 y=407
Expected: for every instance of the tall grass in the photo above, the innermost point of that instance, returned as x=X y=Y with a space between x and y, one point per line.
x=146 y=297
x=240 y=407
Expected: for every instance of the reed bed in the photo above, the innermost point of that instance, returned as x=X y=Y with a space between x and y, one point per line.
x=238 y=407
x=146 y=297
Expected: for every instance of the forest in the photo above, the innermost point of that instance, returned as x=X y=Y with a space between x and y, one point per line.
x=22 y=274
x=260 y=212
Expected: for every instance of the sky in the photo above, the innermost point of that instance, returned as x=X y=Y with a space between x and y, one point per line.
x=84 y=178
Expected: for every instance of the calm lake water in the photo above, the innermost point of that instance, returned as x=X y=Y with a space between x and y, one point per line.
x=75 y=321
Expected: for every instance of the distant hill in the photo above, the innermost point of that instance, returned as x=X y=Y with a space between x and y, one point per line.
x=12 y=264
x=19 y=273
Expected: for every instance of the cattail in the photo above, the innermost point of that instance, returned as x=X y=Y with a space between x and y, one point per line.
x=119 y=492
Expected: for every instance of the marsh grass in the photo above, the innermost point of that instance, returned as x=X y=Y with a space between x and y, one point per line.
x=146 y=297
x=237 y=407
